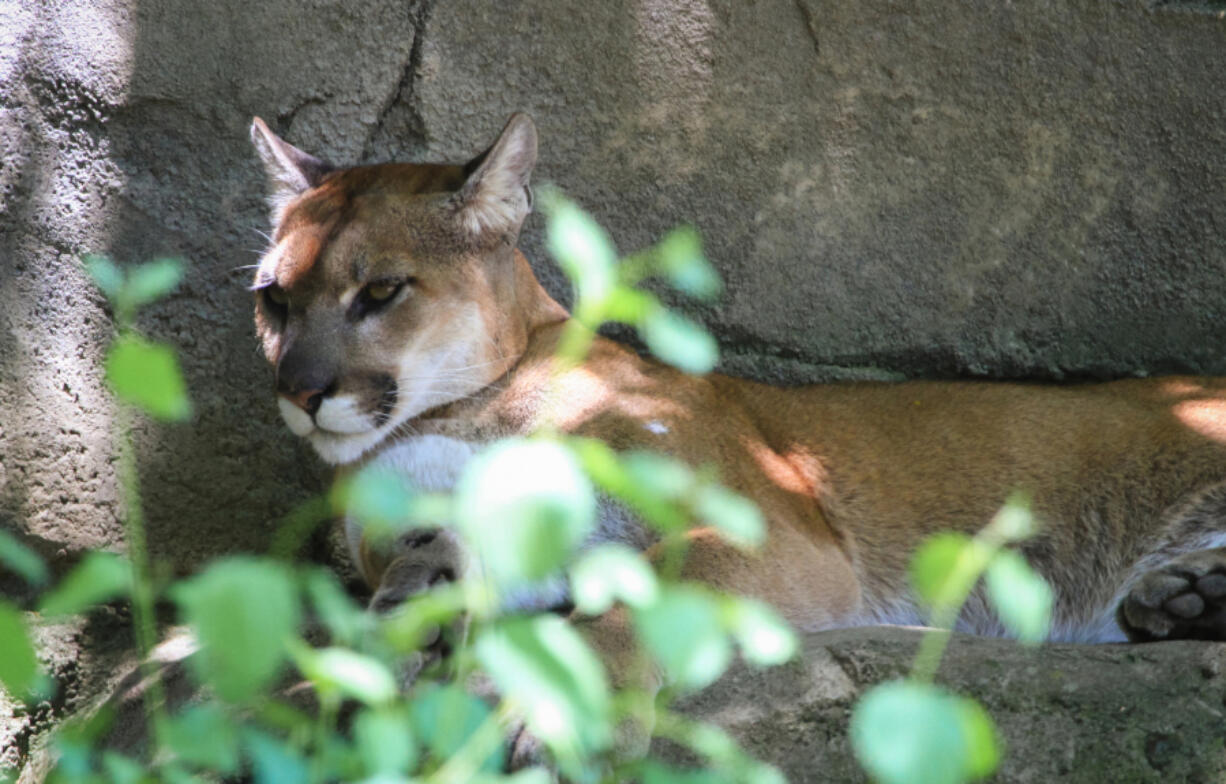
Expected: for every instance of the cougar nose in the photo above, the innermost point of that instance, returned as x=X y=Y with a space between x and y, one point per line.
x=308 y=400
x=304 y=380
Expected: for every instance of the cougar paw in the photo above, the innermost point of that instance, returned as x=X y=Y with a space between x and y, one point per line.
x=419 y=560
x=1184 y=598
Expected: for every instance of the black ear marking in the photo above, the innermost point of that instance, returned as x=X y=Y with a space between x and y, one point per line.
x=476 y=162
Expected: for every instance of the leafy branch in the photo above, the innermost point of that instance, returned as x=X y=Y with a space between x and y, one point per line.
x=914 y=732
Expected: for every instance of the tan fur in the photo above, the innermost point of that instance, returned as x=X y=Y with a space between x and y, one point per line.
x=850 y=477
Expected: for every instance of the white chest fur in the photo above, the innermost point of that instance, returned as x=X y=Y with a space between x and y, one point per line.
x=434 y=463
x=431 y=463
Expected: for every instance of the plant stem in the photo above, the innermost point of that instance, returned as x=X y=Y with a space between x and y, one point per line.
x=970 y=565
x=296 y=526
x=142 y=590
x=465 y=763
x=329 y=705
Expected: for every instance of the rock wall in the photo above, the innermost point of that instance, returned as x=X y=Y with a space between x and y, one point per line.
x=1029 y=190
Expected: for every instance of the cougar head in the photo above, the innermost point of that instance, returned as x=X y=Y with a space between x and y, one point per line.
x=387 y=288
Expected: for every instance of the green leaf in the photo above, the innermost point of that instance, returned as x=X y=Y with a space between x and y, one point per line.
x=1022 y=598
x=243 y=610
x=546 y=669
x=384 y=741
x=204 y=736
x=935 y=566
x=659 y=475
x=175 y=774
x=406 y=629
x=335 y=759
x=713 y=743
x=725 y=758
x=342 y=671
x=536 y=775
x=734 y=515
x=583 y=249
x=684 y=630
x=444 y=718
x=147 y=376
x=152 y=281
x=524 y=505
x=106 y=276
x=656 y=772
x=99 y=577
x=380 y=500
x=765 y=638
x=911 y=733
x=616 y=477
x=609 y=573
x=679 y=341
x=21 y=560
x=344 y=619
x=1015 y=521
x=763 y=773
x=74 y=742
x=273 y=761
x=685 y=266
x=982 y=742
x=121 y=769
x=18 y=663
x=629 y=306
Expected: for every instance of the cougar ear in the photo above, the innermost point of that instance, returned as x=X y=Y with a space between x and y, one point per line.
x=495 y=198
x=290 y=170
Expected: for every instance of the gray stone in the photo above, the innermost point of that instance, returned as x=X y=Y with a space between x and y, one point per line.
x=1015 y=190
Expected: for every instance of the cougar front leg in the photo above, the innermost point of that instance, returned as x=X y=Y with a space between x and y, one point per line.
x=1184 y=598
x=413 y=563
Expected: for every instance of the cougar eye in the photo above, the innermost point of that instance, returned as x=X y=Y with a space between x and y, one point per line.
x=276 y=295
x=381 y=292
x=376 y=295
x=276 y=301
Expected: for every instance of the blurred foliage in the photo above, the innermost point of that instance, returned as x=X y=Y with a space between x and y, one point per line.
x=526 y=507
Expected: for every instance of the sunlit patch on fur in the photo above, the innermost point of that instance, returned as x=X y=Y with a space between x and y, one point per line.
x=1206 y=417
